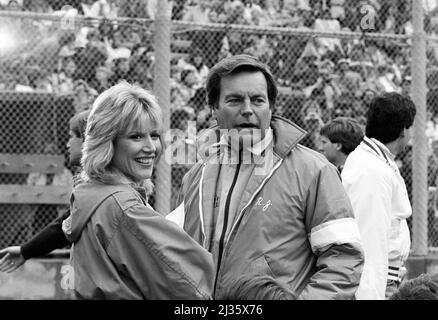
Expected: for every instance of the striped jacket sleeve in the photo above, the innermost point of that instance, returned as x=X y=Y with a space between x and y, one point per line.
x=334 y=237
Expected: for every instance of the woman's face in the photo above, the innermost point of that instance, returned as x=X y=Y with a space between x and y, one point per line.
x=136 y=151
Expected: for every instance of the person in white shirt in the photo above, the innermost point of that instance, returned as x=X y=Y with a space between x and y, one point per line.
x=378 y=194
x=338 y=138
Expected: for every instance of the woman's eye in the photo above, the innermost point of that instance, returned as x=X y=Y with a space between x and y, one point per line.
x=155 y=136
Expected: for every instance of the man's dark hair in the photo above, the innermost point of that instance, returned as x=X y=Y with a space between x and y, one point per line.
x=233 y=65
x=343 y=130
x=423 y=287
x=78 y=124
x=388 y=115
x=258 y=287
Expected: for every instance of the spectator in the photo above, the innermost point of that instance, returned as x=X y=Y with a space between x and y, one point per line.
x=134 y=9
x=51 y=237
x=120 y=58
x=125 y=37
x=101 y=8
x=379 y=196
x=83 y=96
x=62 y=82
x=312 y=120
x=185 y=89
x=89 y=59
x=197 y=12
x=385 y=79
x=348 y=81
x=339 y=138
x=101 y=81
x=344 y=106
x=196 y=62
x=141 y=72
x=327 y=24
x=38 y=79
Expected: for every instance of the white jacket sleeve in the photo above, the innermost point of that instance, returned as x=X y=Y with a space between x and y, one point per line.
x=370 y=196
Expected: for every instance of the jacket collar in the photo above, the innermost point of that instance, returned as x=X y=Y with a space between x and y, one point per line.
x=286 y=135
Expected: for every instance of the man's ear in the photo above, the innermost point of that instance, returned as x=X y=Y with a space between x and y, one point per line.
x=338 y=146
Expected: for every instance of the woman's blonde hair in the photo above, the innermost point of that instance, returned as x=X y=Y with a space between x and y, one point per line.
x=113 y=112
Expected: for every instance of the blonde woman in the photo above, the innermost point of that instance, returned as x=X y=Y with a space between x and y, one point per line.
x=123 y=249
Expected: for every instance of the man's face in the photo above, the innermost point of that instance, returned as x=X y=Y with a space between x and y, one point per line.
x=404 y=139
x=243 y=104
x=328 y=149
x=74 y=146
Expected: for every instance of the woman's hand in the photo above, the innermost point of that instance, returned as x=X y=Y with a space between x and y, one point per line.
x=11 y=259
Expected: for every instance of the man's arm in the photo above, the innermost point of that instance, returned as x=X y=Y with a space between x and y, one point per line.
x=50 y=238
x=334 y=238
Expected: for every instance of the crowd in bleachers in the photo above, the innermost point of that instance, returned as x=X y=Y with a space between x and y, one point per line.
x=322 y=77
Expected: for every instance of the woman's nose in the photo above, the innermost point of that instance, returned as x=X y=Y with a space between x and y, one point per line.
x=149 y=145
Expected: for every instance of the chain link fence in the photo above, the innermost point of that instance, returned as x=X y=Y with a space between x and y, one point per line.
x=54 y=67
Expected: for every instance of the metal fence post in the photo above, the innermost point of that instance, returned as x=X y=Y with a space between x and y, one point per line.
x=162 y=35
x=420 y=193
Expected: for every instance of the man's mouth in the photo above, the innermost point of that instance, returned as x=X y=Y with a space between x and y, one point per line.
x=247 y=126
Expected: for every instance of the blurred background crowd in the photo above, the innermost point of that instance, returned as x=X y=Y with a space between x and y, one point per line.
x=319 y=78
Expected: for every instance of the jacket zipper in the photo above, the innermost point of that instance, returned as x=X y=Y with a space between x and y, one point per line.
x=226 y=213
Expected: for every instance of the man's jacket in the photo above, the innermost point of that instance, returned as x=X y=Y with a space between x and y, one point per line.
x=381 y=205
x=295 y=222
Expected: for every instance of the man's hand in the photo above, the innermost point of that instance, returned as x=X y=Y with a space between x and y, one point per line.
x=11 y=259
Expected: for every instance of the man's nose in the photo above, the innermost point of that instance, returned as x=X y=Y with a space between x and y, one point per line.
x=247 y=108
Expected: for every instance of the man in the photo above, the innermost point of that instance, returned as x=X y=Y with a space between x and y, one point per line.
x=378 y=193
x=51 y=237
x=284 y=213
x=338 y=139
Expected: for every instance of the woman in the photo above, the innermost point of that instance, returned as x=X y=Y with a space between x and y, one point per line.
x=123 y=249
